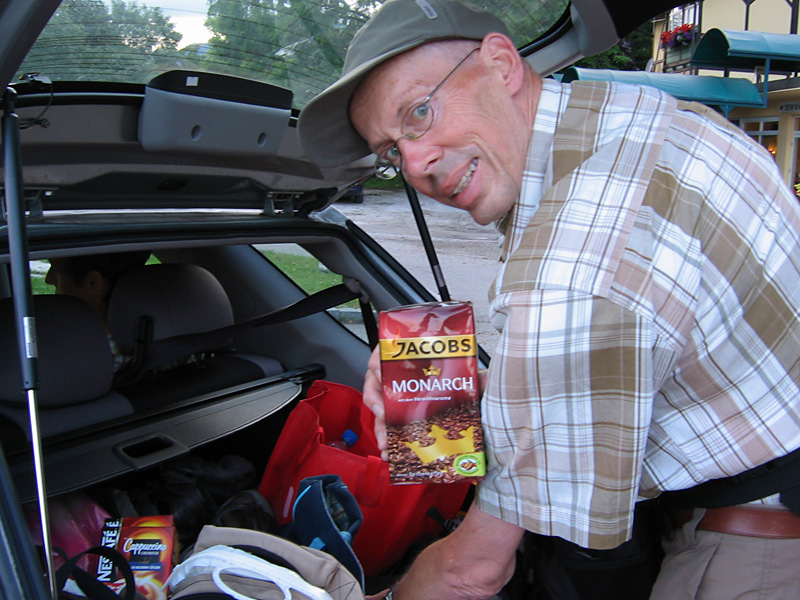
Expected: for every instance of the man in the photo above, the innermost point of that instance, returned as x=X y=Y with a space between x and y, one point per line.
x=648 y=301
x=92 y=278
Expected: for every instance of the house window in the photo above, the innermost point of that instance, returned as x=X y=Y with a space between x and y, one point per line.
x=689 y=13
x=796 y=157
x=764 y=131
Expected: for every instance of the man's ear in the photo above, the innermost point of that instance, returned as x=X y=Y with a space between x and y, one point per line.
x=96 y=285
x=501 y=54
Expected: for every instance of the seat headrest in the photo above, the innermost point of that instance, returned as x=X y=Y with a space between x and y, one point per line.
x=179 y=298
x=75 y=363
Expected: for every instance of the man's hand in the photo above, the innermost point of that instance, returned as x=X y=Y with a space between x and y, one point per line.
x=472 y=563
x=373 y=399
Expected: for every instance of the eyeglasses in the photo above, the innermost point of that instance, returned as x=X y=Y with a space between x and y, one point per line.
x=417 y=122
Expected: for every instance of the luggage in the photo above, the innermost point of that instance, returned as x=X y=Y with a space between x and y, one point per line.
x=246 y=564
x=326 y=516
x=394 y=516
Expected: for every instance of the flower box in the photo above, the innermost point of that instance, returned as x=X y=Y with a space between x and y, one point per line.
x=680 y=37
x=679 y=54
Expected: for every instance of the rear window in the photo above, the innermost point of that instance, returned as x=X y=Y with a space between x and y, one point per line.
x=297 y=44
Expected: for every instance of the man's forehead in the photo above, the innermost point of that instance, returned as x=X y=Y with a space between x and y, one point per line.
x=407 y=73
x=408 y=68
x=389 y=83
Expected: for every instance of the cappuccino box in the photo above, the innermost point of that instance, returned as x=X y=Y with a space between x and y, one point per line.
x=429 y=371
x=149 y=544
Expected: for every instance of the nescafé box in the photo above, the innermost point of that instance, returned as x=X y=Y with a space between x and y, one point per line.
x=149 y=544
x=429 y=369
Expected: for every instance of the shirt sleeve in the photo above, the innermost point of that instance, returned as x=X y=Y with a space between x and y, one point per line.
x=566 y=411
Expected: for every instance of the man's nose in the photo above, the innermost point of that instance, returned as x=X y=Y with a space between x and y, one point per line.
x=419 y=156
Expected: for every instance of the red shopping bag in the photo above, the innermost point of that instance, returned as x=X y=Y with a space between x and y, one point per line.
x=395 y=516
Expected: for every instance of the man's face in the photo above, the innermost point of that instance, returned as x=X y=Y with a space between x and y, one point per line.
x=93 y=289
x=58 y=276
x=473 y=155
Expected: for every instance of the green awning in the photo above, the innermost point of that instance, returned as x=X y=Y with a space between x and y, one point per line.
x=746 y=50
x=713 y=91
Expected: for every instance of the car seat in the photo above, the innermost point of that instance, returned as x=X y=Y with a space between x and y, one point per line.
x=75 y=370
x=159 y=301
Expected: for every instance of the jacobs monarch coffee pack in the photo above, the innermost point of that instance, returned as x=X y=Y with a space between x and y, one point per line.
x=429 y=369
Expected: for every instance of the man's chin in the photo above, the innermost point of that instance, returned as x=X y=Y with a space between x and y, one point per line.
x=482 y=211
x=482 y=219
x=473 y=209
x=492 y=207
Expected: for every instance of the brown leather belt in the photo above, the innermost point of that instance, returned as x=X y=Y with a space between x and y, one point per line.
x=747 y=520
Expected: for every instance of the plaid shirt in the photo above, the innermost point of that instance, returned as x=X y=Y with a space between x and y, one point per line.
x=649 y=299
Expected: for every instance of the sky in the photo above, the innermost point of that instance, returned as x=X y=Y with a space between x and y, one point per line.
x=188 y=17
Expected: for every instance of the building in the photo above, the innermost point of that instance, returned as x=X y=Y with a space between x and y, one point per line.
x=753 y=39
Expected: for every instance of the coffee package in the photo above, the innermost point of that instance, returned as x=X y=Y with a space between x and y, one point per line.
x=431 y=393
x=149 y=544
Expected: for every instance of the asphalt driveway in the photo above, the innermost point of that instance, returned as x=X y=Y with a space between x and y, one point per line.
x=468 y=252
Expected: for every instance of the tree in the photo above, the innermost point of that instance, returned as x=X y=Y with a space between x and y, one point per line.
x=307 y=39
x=304 y=46
x=297 y=44
x=630 y=54
x=143 y=28
x=87 y=40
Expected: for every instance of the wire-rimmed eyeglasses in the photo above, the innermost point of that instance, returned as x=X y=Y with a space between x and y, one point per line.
x=417 y=121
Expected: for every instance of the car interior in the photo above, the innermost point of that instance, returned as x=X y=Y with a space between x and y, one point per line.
x=110 y=424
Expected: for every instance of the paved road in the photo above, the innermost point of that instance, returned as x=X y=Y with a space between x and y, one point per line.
x=468 y=252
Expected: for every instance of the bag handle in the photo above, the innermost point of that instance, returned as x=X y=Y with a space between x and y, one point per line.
x=370 y=485
x=315 y=439
x=284 y=579
x=90 y=586
x=220 y=559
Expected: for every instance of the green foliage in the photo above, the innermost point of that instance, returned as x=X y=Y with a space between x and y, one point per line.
x=306 y=272
x=630 y=54
x=307 y=39
x=297 y=44
x=38 y=286
x=525 y=20
x=375 y=183
x=88 y=40
x=142 y=28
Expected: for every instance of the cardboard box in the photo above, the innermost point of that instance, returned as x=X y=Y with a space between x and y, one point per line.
x=431 y=392
x=149 y=544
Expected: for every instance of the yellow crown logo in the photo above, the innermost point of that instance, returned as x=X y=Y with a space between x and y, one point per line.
x=444 y=447
x=432 y=371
